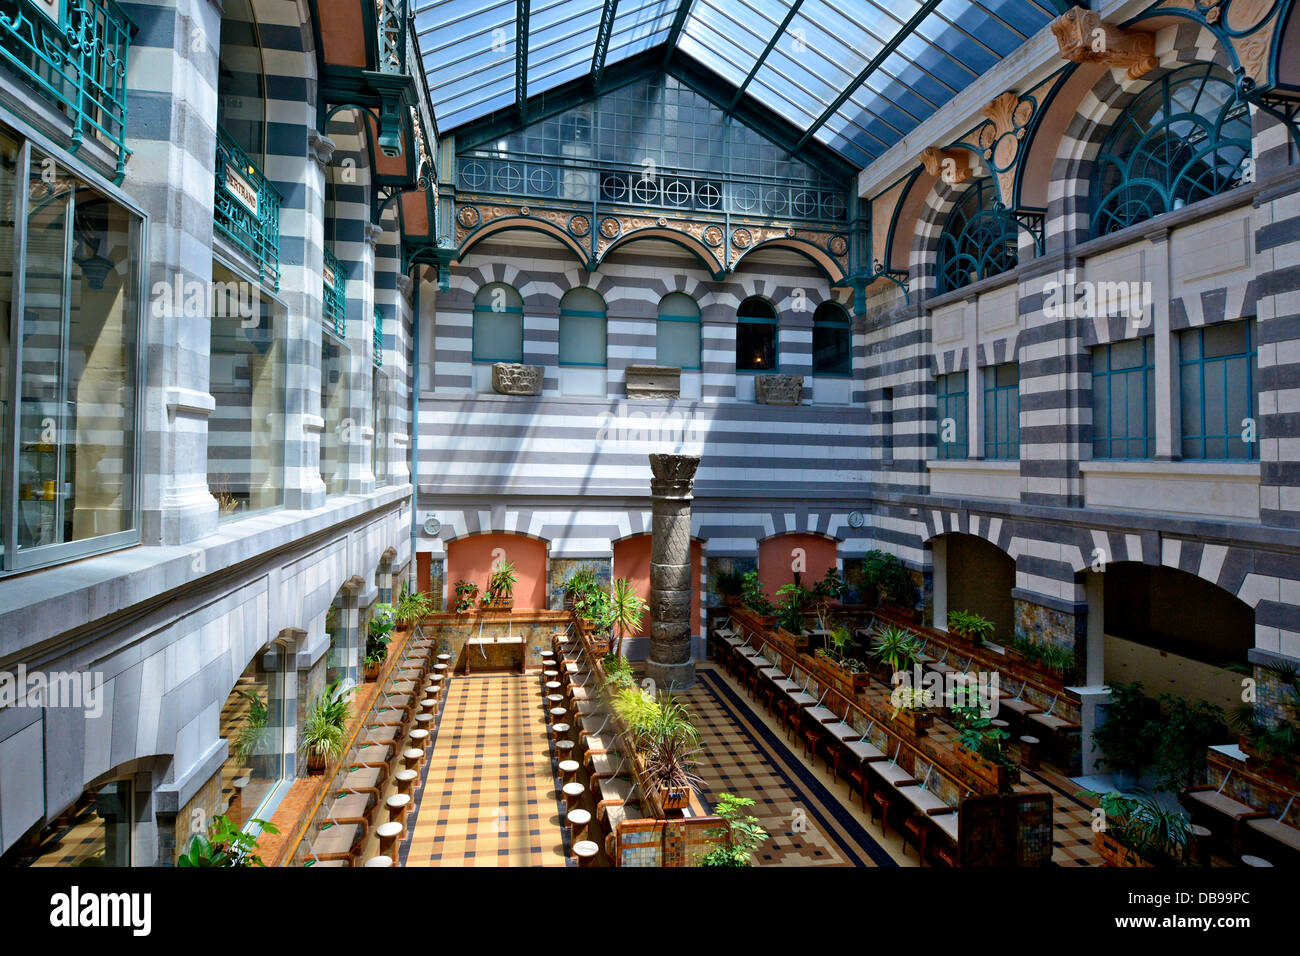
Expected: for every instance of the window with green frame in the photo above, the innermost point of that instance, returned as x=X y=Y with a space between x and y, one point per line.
x=1002 y=411
x=1218 y=369
x=951 y=415
x=832 y=341
x=1123 y=399
x=498 y=324
x=677 y=333
x=582 y=328
x=756 y=336
x=979 y=239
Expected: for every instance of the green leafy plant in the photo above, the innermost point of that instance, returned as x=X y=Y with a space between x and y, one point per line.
x=669 y=742
x=225 y=845
x=618 y=672
x=501 y=585
x=970 y=625
x=323 y=737
x=626 y=608
x=466 y=594
x=896 y=647
x=738 y=836
x=378 y=634
x=412 y=606
x=597 y=609
x=1148 y=829
x=1050 y=656
x=256 y=729
x=1124 y=740
x=978 y=735
x=635 y=708
x=753 y=597
x=792 y=605
x=890 y=577
x=729 y=582
x=1181 y=735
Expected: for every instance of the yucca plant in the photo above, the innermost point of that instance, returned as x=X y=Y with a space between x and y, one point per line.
x=635 y=708
x=412 y=606
x=896 y=647
x=670 y=743
x=626 y=607
x=501 y=585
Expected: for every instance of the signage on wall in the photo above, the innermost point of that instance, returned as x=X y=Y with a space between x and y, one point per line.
x=241 y=189
x=329 y=276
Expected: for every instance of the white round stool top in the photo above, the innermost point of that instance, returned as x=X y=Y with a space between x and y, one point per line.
x=405 y=775
x=1029 y=740
x=435 y=678
x=398 y=800
x=555 y=698
x=559 y=712
x=585 y=849
x=560 y=728
x=1255 y=861
x=423 y=719
x=380 y=860
x=551 y=674
x=574 y=790
x=578 y=817
x=441 y=669
x=388 y=830
x=444 y=657
x=413 y=753
x=429 y=702
x=419 y=736
x=569 y=766
x=547 y=655
x=565 y=745
x=553 y=685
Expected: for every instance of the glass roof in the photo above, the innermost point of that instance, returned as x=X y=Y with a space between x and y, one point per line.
x=857 y=75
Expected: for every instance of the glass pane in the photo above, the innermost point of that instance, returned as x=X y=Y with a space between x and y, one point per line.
x=1101 y=424
x=582 y=340
x=94 y=831
x=832 y=351
x=335 y=374
x=1229 y=339
x=1126 y=354
x=252 y=723
x=756 y=347
x=8 y=195
x=78 y=383
x=498 y=337
x=241 y=103
x=1008 y=375
x=246 y=430
x=677 y=344
x=1216 y=422
x=1191 y=420
x=679 y=305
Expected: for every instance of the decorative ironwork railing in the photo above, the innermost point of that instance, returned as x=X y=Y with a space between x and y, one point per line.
x=334 y=311
x=247 y=209
x=379 y=339
x=75 y=51
x=686 y=192
x=392 y=17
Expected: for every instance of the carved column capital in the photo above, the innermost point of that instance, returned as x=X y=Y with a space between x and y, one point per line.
x=953 y=166
x=372 y=234
x=1083 y=37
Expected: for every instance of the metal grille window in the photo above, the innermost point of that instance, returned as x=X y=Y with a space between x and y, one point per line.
x=951 y=411
x=377 y=353
x=756 y=336
x=832 y=341
x=979 y=239
x=1002 y=411
x=1123 y=399
x=1218 y=369
x=677 y=333
x=498 y=324
x=582 y=328
x=334 y=281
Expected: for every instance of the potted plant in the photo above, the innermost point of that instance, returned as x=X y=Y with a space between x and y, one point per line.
x=501 y=587
x=792 y=605
x=412 y=607
x=466 y=594
x=892 y=580
x=1054 y=661
x=738 y=836
x=852 y=671
x=597 y=610
x=323 y=738
x=252 y=743
x=970 y=625
x=1181 y=736
x=618 y=673
x=911 y=708
x=1123 y=739
x=669 y=741
x=581 y=582
x=626 y=608
x=982 y=751
x=379 y=633
x=729 y=584
x=896 y=649
x=226 y=844
x=1137 y=831
x=752 y=597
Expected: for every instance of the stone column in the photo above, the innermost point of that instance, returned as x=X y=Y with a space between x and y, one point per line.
x=670 y=665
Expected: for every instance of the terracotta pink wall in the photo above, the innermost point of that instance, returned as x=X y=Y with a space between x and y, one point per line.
x=471 y=559
x=776 y=558
x=632 y=561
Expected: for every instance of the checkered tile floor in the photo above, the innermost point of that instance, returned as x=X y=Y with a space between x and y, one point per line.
x=488 y=794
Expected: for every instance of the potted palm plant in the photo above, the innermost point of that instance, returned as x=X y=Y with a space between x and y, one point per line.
x=1137 y=831
x=323 y=738
x=729 y=584
x=412 y=606
x=378 y=634
x=982 y=751
x=752 y=597
x=626 y=608
x=501 y=587
x=596 y=609
x=1124 y=739
x=792 y=604
x=895 y=649
x=580 y=583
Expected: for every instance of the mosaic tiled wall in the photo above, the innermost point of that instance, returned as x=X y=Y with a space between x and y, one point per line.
x=559 y=569
x=664 y=842
x=1254 y=790
x=452 y=633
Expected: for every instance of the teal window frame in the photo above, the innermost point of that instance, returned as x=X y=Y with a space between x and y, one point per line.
x=952 y=400
x=377 y=352
x=842 y=325
x=695 y=320
x=979 y=239
x=603 y=315
x=334 y=296
x=1113 y=388
x=493 y=357
x=1001 y=413
x=1200 y=369
x=773 y=321
x=256 y=236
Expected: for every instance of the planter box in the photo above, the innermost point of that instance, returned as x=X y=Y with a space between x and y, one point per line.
x=371 y=672
x=996 y=775
x=1283 y=770
x=1115 y=853
x=914 y=720
x=674 y=799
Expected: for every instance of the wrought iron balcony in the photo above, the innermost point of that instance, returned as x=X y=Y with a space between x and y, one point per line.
x=336 y=295
x=75 y=52
x=247 y=209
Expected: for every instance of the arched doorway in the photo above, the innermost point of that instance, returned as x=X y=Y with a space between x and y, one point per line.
x=971 y=574
x=782 y=556
x=632 y=561
x=475 y=557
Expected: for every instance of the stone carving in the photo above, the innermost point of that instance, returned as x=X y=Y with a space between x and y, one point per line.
x=469 y=216
x=653 y=381
x=669 y=663
x=321 y=147
x=953 y=166
x=509 y=378
x=778 y=389
x=1083 y=37
x=579 y=226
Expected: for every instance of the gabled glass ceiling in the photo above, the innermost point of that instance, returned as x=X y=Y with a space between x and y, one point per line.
x=856 y=75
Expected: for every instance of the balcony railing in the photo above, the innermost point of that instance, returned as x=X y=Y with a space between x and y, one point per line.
x=75 y=51
x=334 y=308
x=247 y=209
x=379 y=339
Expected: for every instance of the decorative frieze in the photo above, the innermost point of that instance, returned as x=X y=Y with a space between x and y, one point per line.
x=778 y=389
x=653 y=381
x=509 y=378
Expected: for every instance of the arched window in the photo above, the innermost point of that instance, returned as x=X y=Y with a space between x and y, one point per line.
x=241 y=87
x=582 y=328
x=980 y=239
x=498 y=324
x=1184 y=138
x=832 y=340
x=756 y=327
x=677 y=333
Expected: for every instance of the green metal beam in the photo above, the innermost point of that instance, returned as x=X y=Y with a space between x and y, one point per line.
x=876 y=61
x=771 y=45
x=679 y=24
x=602 y=42
x=521 y=59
